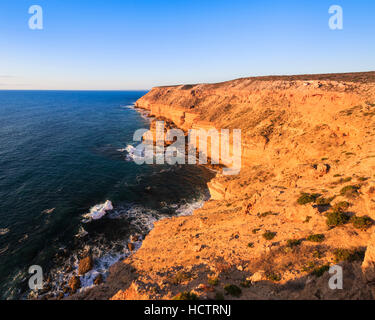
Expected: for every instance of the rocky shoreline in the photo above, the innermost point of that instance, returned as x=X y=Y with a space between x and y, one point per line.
x=304 y=200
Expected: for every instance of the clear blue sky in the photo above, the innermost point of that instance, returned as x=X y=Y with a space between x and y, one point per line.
x=121 y=44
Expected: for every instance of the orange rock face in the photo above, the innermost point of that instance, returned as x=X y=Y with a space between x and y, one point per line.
x=306 y=141
x=85 y=265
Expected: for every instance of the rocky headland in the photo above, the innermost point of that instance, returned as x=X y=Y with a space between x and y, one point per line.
x=303 y=201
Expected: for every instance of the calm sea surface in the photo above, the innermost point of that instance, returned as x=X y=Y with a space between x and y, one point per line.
x=62 y=153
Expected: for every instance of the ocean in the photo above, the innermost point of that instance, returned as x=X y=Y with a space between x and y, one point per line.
x=61 y=153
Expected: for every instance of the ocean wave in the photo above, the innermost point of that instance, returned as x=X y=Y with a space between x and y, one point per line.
x=141 y=221
x=98 y=211
x=128 y=106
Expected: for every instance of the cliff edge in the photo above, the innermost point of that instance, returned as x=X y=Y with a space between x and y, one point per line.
x=303 y=201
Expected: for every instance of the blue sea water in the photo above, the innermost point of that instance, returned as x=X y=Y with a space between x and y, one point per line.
x=61 y=153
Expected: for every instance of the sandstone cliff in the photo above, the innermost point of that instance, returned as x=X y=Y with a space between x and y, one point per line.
x=304 y=199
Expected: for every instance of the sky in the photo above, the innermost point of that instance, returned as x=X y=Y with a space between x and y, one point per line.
x=139 y=44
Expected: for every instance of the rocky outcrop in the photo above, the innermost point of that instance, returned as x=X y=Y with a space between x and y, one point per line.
x=85 y=265
x=74 y=283
x=269 y=112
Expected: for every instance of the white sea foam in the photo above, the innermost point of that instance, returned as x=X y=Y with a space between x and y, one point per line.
x=128 y=106
x=98 y=211
x=133 y=153
x=141 y=219
x=188 y=208
x=81 y=233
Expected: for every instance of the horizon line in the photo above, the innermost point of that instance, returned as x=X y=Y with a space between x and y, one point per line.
x=109 y=90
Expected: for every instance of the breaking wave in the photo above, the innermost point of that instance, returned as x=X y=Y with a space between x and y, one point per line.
x=137 y=220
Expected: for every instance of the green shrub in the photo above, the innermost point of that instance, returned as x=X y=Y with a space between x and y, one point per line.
x=316 y=238
x=233 y=290
x=319 y=271
x=336 y=218
x=363 y=222
x=341 y=206
x=317 y=254
x=268 y=235
x=350 y=191
x=268 y=213
x=306 y=198
x=213 y=281
x=349 y=255
x=293 y=243
x=186 y=295
x=250 y=244
x=363 y=179
x=308 y=267
x=254 y=231
x=272 y=276
x=324 y=201
x=343 y=180
x=180 y=277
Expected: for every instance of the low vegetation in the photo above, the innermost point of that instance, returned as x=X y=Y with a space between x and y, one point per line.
x=316 y=238
x=268 y=235
x=342 y=180
x=349 y=255
x=233 y=290
x=341 y=206
x=321 y=201
x=213 y=281
x=291 y=243
x=336 y=218
x=363 y=222
x=319 y=271
x=181 y=277
x=268 y=213
x=306 y=198
x=350 y=191
x=273 y=276
x=186 y=295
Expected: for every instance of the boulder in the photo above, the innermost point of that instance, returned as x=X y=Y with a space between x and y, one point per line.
x=130 y=246
x=74 y=283
x=135 y=238
x=98 y=279
x=257 y=276
x=85 y=265
x=322 y=168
